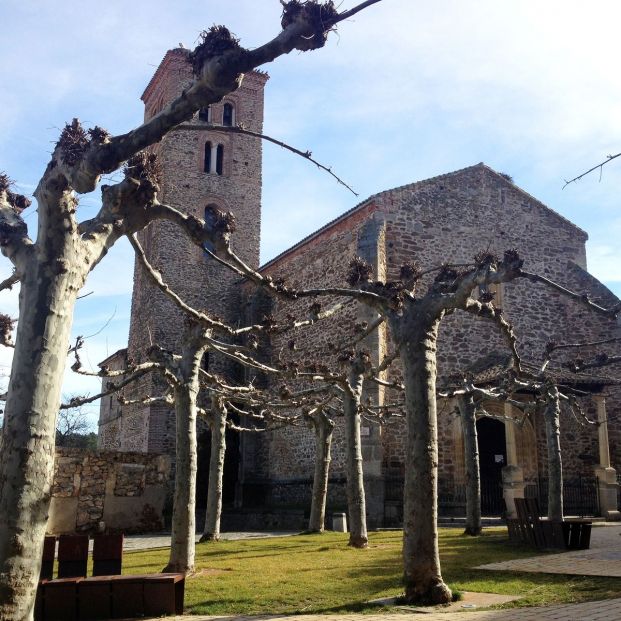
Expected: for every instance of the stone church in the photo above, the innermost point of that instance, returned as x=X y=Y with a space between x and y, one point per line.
x=447 y=218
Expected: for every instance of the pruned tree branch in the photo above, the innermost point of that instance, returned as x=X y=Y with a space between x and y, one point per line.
x=240 y=129
x=8 y=283
x=600 y=166
x=582 y=298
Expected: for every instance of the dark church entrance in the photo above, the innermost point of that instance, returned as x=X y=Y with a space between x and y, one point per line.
x=492 y=459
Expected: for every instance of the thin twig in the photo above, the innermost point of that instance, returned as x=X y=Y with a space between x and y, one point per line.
x=609 y=158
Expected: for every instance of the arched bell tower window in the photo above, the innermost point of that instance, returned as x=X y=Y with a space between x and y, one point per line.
x=219 y=159
x=207 y=160
x=213 y=161
x=204 y=114
x=228 y=115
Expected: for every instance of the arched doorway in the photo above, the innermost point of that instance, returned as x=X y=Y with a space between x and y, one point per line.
x=492 y=459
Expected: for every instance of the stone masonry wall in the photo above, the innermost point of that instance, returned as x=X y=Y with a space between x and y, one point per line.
x=110 y=433
x=108 y=490
x=451 y=218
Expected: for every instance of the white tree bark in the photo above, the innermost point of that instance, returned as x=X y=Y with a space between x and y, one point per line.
x=467 y=412
x=323 y=427
x=27 y=459
x=552 y=415
x=422 y=576
x=211 y=531
x=183 y=539
x=356 y=503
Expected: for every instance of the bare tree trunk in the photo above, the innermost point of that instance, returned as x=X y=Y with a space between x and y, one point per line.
x=46 y=300
x=422 y=577
x=356 y=505
x=211 y=531
x=467 y=411
x=183 y=539
x=552 y=415
x=323 y=427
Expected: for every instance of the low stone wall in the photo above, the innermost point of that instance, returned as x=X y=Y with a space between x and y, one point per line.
x=108 y=490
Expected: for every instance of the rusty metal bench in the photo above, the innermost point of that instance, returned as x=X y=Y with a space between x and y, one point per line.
x=47 y=562
x=107 y=555
x=109 y=597
x=72 y=556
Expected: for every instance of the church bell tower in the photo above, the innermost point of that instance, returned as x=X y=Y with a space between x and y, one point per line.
x=201 y=166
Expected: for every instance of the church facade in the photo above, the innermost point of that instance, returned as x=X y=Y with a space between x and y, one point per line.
x=445 y=219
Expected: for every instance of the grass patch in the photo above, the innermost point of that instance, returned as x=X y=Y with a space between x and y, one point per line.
x=321 y=574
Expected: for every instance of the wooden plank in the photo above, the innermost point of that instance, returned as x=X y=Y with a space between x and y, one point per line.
x=127 y=596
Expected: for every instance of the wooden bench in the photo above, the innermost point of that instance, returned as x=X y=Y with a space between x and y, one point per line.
x=110 y=597
x=544 y=534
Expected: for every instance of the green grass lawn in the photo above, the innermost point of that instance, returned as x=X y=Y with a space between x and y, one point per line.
x=320 y=574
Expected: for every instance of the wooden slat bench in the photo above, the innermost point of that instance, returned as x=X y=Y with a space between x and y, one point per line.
x=567 y=534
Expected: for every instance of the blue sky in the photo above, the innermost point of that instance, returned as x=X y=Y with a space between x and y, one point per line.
x=405 y=91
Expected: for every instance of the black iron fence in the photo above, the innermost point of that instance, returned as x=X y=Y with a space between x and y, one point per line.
x=451 y=500
x=579 y=495
x=580 y=498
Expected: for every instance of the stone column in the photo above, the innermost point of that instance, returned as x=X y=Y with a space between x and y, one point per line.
x=512 y=474
x=214 y=157
x=606 y=475
x=371 y=247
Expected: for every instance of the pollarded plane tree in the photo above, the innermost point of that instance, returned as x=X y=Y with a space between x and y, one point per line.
x=354 y=369
x=185 y=380
x=53 y=268
x=413 y=318
x=414 y=321
x=537 y=390
x=347 y=365
x=181 y=374
x=258 y=413
x=248 y=356
x=554 y=396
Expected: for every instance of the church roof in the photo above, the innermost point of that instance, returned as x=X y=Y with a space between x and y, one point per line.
x=376 y=197
x=118 y=354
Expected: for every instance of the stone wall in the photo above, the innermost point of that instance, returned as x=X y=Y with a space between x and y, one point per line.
x=450 y=218
x=108 y=490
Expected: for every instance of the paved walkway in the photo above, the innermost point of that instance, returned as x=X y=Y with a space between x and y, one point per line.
x=147 y=542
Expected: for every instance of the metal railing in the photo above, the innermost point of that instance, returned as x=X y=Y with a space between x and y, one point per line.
x=580 y=495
